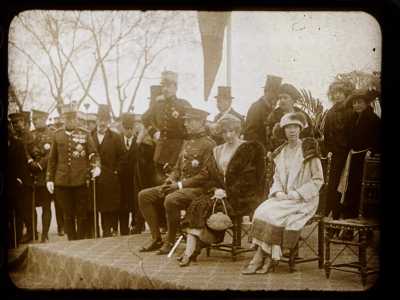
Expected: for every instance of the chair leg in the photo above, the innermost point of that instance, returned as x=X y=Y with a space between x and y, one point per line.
x=327 y=257
x=291 y=259
x=234 y=241
x=208 y=250
x=321 y=244
x=363 y=251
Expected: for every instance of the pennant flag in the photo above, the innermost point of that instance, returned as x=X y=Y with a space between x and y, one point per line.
x=212 y=27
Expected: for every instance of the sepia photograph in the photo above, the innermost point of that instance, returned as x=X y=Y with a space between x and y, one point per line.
x=193 y=150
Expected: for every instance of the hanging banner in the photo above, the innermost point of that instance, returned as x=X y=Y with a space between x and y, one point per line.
x=212 y=27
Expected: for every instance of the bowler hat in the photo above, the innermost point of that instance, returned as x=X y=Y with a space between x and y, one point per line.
x=224 y=92
x=273 y=83
x=289 y=89
x=104 y=111
x=196 y=113
x=128 y=120
x=39 y=114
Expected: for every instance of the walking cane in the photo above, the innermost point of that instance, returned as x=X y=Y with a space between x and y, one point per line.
x=33 y=208
x=94 y=205
x=15 y=230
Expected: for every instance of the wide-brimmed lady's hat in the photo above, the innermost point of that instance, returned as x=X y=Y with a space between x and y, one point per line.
x=297 y=118
x=367 y=95
x=289 y=89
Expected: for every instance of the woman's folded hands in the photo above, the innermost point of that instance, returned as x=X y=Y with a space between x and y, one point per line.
x=292 y=195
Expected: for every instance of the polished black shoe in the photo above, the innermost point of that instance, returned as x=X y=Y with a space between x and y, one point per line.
x=152 y=246
x=165 y=249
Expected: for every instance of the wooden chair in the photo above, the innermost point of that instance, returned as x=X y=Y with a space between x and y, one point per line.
x=370 y=193
x=317 y=221
x=239 y=230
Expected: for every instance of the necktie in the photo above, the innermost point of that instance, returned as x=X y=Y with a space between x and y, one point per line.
x=127 y=144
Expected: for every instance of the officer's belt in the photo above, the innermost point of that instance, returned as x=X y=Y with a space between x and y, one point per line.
x=172 y=136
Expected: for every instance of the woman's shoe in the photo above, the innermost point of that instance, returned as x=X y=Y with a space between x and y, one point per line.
x=186 y=260
x=181 y=257
x=269 y=265
x=252 y=268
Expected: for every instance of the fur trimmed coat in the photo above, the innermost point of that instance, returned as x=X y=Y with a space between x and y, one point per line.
x=279 y=222
x=242 y=185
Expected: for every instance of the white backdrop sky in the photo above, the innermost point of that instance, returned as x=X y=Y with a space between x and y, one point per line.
x=307 y=49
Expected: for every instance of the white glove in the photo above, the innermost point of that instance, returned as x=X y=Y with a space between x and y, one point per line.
x=281 y=196
x=294 y=195
x=157 y=135
x=96 y=172
x=50 y=187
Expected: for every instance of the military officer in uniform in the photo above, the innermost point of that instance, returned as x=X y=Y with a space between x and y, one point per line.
x=40 y=151
x=73 y=160
x=191 y=165
x=19 y=121
x=164 y=121
x=256 y=121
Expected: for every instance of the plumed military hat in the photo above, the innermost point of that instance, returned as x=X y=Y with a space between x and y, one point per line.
x=289 y=89
x=169 y=76
x=71 y=108
x=39 y=114
x=195 y=113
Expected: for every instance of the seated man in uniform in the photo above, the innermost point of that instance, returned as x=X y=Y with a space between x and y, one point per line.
x=193 y=158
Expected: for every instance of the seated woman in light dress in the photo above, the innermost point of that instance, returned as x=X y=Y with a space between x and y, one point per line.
x=293 y=198
x=234 y=172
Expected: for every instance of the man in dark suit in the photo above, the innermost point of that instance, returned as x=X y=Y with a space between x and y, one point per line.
x=112 y=153
x=73 y=160
x=256 y=121
x=194 y=156
x=127 y=184
x=224 y=104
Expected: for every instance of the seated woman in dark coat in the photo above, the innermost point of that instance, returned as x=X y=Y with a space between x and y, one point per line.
x=234 y=171
x=364 y=135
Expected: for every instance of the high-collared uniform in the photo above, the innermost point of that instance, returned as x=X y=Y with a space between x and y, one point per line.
x=191 y=167
x=73 y=154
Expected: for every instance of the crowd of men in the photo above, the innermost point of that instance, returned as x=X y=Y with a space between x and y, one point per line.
x=130 y=169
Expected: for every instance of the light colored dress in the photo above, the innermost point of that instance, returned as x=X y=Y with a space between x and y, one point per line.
x=278 y=223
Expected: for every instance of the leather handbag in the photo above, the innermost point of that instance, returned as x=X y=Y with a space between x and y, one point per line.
x=219 y=220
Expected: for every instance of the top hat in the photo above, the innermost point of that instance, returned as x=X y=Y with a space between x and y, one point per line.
x=273 y=83
x=155 y=90
x=71 y=108
x=39 y=114
x=224 y=92
x=195 y=113
x=104 y=111
x=16 y=116
x=128 y=120
x=289 y=89
x=169 y=76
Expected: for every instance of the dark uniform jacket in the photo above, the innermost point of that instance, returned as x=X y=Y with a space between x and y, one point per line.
x=40 y=151
x=256 y=122
x=191 y=166
x=27 y=140
x=218 y=138
x=127 y=176
x=166 y=116
x=112 y=153
x=70 y=152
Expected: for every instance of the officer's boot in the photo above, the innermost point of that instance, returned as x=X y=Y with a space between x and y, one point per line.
x=69 y=222
x=81 y=228
x=46 y=220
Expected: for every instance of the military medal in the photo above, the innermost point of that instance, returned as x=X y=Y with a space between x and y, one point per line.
x=175 y=114
x=195 y=163
x=79 y=147
x=75 y=154
x=46 y=146
x=83 y=153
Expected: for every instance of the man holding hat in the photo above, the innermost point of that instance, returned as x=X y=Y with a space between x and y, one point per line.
x=256 y=121
x=164 y=121
x=19 y=121
x=288 y=95
x=40 y=151
x=191 y=167
x=112 y=153
x=224 y=104
x=73 y=160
